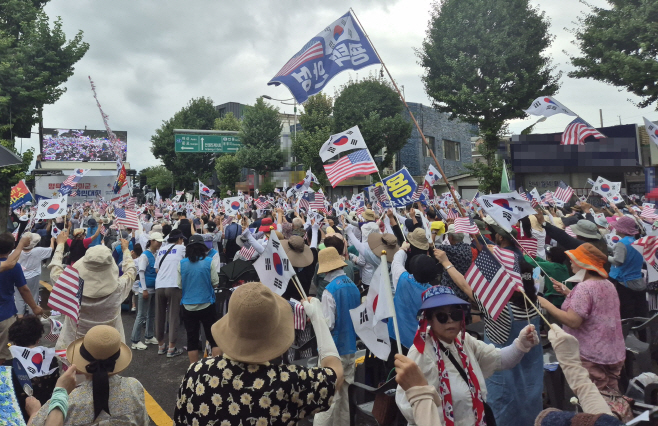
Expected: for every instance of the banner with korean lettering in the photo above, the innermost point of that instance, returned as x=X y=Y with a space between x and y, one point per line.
x=19 y=195
x=400 y=187
x=340 y=46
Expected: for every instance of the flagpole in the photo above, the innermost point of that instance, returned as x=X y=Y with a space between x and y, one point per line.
x=431 y=151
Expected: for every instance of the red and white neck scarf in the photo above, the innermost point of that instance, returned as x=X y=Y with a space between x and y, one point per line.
x=444 y=390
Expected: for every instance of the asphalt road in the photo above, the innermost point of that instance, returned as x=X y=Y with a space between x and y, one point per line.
x=160 y=376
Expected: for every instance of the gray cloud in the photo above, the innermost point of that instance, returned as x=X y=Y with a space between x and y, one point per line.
x=149 y=58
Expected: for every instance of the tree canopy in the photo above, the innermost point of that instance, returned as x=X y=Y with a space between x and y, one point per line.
x=485 y=61
x=376 y=108
x=186 y=167
x=227 y=166
x=619 y=46
x=158 y=177
x=260 y=135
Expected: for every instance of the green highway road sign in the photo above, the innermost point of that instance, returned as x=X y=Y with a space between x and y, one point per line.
x=207 y=143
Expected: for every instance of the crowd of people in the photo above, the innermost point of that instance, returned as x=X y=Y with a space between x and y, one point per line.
x=178 y=267
x=76 y=146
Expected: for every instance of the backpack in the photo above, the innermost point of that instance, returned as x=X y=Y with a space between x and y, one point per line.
x=232 y=231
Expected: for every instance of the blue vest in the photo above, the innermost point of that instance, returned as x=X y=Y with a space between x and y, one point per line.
x=211 y=253
x=347 y=297
x=195 y=279
x=119 y=251
x=631 y=269
x=408 y=298
x=150 y=273
x=96 y=241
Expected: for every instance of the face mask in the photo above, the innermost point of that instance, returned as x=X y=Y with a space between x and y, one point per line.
x=578 y=277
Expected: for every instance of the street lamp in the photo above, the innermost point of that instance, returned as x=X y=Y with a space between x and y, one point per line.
x=283 y=101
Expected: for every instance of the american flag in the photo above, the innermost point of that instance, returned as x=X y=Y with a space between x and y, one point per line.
x=547 y=198
x=130 y=203
x=354 y=164
x=569 y=231
x=55 y=330
x=491 y=282
x=74 y=193
x=360 y=208
x=227 y=220
x=67 y=293
x=529 y=245
x=453 y=214
x=465 y=225
x=649 y=246
x=316 y=201
x=304 y=203
x=563 y=192
x=649 y=213
x=262 y=202
x=126 y=218
x=417 y=194
x=528 y=197
x=577 y=131
x=103 y=230
x=380 y=193
x=247 y=253
x=312 y=50
x=299 y=315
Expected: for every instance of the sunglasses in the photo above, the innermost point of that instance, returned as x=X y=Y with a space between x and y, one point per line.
x=442 y=317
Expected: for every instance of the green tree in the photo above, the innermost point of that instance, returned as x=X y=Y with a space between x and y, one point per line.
x=484 y=63
x=10 y=176
x=35 y=62
x=199 y=114
x=261 y=139
x=376 y=108
x=228 y=122
x=619 y=46
x=228 y=171
x=316 y=122
x=159 y=177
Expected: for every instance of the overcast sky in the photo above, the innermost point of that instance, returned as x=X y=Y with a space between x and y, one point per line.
x=149 y=58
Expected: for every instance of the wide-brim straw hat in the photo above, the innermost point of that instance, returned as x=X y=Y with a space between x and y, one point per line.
x=329 y=260
x=101 y=341
x=258 y=326
x=586 y=256
x=381 y=242
x=369 y=215
x=418 y=239
x=299 y=254
x=586 y=229
x=99 y=271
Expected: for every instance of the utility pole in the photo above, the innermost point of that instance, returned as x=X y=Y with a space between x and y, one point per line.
x=601 y=116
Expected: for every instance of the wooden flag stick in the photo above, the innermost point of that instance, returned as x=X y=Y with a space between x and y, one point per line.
x=422 y=135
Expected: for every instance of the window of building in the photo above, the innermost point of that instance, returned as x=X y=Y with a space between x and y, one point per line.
x=430 y=141
x=451 y=150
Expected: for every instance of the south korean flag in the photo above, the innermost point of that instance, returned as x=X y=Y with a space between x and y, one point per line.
x=273 y=267
x=341 y=142
x=35 y=361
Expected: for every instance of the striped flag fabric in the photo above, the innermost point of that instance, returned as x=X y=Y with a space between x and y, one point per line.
x=647 y=246
x=299 y=315
x=452 y=213
x=529 y=246
x=126 y=218
x=130 y=203
x=649 y=212
x=261 y=203
x=304 y=203
x=563 y=192
x=547 y=198
x=491 y=282
x=465 y=225
x=67 y=293
x=316 y=201
x=569 y=231
x=577 y=131
x=314 y=51
x=247 y=252
x=355 y=164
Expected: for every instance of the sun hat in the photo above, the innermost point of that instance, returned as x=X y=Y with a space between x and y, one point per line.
x=586 y=256
x=299 y=254
x=418 y=239
x=440 y=295
x=175 y=235
x=101 y=342
x=380 y=242
x=196 y=239
x=156 y=236
x=265 y=225
x=500 y=231
x=258 y=326
x=329 y=260
x=452 y=230
x=625 y=225
x=92 y=222
x=368 y=215
x=482 y=227
x=586 y=229
x=438 y=226
x=329 y=231
x=101 y=354
x=78 y=231
x=34 y=240
x=99 y=271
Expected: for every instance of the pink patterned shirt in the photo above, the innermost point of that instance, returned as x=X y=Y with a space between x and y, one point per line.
x=600 y=336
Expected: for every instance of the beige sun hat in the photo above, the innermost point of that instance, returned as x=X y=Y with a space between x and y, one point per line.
x=329 y=260
x=300 y=254
x=156 y=236
x=99 y=271
x=368 y=214
x=418 y=239
x=258 y=326
x=380 y=242
x=101 y=342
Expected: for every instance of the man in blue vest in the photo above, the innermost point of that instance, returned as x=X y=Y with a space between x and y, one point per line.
x=626 y=270
x=340 y=295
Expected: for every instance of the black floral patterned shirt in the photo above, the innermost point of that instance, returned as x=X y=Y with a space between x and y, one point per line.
x=222 y=392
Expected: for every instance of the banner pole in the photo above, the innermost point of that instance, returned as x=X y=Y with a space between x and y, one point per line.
x=422 y=135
